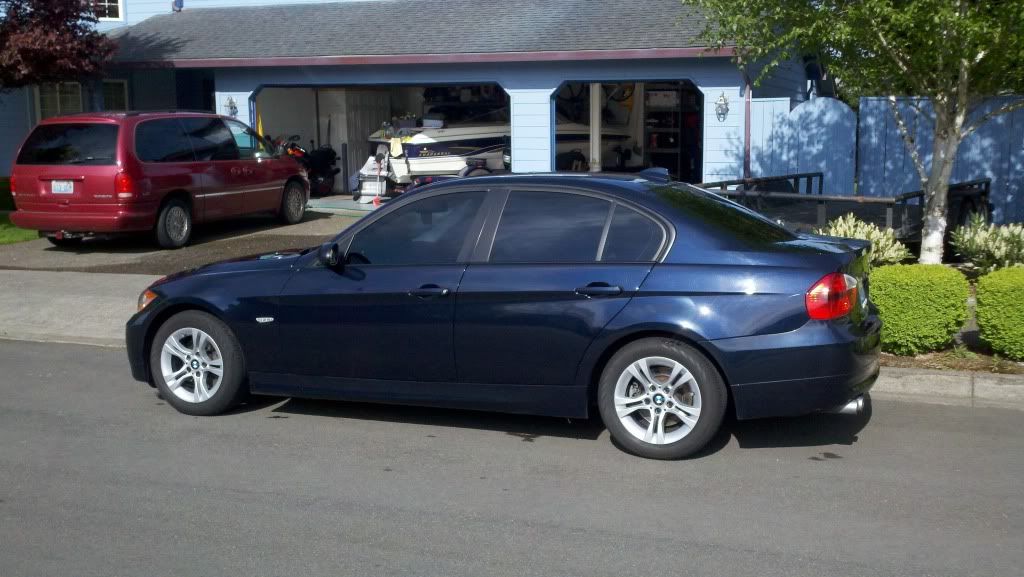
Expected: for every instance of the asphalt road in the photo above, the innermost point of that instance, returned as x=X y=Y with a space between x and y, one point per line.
x=100 y=477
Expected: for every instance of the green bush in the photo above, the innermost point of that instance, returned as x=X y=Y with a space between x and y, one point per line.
x=990 y=247
x=1001 y=311
x=923 y=306
x=885 y=249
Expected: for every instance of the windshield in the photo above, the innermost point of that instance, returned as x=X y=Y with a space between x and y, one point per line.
x=64 y=144
x=713 y=210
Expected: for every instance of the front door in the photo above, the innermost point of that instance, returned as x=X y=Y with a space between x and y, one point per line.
x=218 y=165
x=560 y=268
x=387 y=313
x=263 y=184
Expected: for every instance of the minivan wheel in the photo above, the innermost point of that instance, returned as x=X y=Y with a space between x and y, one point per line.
x=197 y=364
x=661 y=399
x=293 y=203
x=174 y=225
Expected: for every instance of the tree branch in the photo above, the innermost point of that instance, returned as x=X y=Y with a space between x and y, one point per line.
x=900 y=61
x=1004 y=109
x=909 y=141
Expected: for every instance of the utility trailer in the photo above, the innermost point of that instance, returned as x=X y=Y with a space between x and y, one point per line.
x=798 y=202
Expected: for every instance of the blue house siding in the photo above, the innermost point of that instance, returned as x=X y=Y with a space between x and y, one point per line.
x=15 y=121
x=530 y=86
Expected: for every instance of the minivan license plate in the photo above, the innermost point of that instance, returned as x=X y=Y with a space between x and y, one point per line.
x=62 y=186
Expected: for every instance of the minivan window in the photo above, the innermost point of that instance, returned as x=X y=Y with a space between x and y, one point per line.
x=632 y=237
x=210 y=139
x=429 y=231
x=734 y=220
x=162 y=140
x=71 y=143
x=538 y=227
x=248 y=142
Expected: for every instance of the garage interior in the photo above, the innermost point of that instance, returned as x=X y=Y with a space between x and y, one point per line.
x=622 y=127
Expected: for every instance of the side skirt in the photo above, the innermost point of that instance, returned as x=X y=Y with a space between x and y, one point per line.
x=546 y=400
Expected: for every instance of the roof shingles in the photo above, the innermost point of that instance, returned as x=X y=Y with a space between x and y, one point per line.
x=411 y=27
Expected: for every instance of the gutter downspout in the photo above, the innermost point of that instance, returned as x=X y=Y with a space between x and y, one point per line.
x=746 y=126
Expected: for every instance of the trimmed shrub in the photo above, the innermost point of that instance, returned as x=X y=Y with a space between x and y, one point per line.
x=990 y=247
x=1001 y=311
x=922 y=305
x=885 y=249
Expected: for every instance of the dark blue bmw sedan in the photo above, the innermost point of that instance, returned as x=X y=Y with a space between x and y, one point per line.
x=658 y=303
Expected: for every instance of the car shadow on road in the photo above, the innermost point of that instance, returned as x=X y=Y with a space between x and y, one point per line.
x=807 y=431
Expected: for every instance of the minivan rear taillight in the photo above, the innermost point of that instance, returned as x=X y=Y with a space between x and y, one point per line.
x=12 y=183
x=124 y=186
x=832 y=297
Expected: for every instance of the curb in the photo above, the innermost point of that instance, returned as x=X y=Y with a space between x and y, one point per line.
x=950 y=387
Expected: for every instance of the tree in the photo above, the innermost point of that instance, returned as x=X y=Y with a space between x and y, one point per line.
x=49 y=41
x=954 y=53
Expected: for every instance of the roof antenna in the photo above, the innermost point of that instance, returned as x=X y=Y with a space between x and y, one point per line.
x=177 y=5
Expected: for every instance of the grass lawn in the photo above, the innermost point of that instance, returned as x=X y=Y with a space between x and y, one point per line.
x=10 y=234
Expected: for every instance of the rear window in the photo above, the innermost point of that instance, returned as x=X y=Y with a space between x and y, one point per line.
x=730 y=218
x=63 y=144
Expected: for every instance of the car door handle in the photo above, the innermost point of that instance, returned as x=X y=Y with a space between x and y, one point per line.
x=429 y=291
x=599 y=289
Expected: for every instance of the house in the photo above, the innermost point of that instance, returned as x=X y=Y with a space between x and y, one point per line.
x=332 y=71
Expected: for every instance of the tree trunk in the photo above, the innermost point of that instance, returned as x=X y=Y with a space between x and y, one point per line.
x=936 y=190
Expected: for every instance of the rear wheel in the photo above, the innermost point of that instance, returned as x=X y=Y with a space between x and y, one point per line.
x=293 y=203
x=197 y=364
x=661 y=399
x=174 y=225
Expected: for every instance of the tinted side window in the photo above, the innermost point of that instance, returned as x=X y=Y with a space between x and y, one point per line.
x=247 y=141
x=162 y=140
x=549 y=227
x=428 y=231
x=210 y=139
x=632 y=237
x=85 y=144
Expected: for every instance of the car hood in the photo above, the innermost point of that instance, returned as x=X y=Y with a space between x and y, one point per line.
x=280 y=259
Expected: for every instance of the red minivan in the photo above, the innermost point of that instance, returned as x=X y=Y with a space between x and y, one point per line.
x=161 y=172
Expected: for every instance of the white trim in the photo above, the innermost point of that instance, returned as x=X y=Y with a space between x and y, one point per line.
x=120 y=14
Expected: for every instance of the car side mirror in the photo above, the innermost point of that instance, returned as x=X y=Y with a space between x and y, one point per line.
x=329 y=255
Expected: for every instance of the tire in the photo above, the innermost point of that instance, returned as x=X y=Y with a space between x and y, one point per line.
x=64 y=242
x=293 y=203
x=705 y=391
x=174 y=225
x=218 y=346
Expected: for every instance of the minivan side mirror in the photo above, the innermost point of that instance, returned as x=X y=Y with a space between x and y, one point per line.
x=329 y=254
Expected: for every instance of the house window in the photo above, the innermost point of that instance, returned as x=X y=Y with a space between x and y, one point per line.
x=108 y=9
x=58 y=98
x=115 y=95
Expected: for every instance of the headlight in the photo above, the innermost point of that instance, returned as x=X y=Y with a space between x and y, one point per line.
x=146 y=297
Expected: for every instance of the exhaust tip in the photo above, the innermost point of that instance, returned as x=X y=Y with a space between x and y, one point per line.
x=854 y=407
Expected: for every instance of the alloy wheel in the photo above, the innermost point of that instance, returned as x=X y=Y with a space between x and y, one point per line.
x=192 y=365
x=657 y=400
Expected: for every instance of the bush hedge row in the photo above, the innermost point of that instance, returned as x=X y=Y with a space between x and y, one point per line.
x=922 y=306
x=1000 y=297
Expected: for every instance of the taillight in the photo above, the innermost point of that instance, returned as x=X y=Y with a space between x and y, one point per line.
x=832 y=297
x=14 y=186
x=124 y=186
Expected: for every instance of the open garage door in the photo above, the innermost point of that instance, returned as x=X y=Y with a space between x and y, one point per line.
x=410 y=132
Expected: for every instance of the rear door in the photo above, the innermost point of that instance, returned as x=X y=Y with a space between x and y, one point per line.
x=68 y=166
x=217 y=165
x=169 y=164
x=560 y=265
x=263 y=184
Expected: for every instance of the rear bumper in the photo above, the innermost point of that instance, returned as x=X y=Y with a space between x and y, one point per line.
x=815 y=368
x=121 y=219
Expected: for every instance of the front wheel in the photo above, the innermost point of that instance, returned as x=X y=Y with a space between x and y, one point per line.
x=197 y=364
x=293 y=203
x=661 y=399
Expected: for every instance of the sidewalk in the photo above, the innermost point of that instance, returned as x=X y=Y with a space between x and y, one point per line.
x=92 y=308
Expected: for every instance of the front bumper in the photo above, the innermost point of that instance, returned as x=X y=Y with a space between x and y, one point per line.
x=817 y=367
x=135 y=339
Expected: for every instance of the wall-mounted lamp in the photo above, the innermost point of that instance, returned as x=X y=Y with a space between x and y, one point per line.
x=231 y=107
x=177 y=5
x=722 y=107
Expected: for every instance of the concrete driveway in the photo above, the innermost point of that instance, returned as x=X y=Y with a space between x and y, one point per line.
x=100 y=477
x=138 y=254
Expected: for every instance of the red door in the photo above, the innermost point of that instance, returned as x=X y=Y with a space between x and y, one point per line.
x=218 y=164
x=264 y=184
